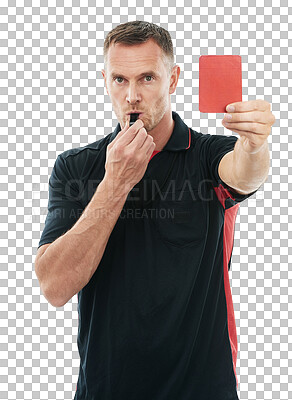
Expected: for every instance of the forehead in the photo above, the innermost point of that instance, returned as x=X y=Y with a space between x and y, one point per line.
x=130 y=58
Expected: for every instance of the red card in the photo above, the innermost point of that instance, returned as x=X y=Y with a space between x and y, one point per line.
x=220 y=82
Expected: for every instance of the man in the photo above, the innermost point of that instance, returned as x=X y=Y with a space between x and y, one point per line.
x=150 y=253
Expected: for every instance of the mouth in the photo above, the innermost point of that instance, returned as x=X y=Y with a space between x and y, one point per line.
x=135 y=112
x=133 y=118
x=134 y=115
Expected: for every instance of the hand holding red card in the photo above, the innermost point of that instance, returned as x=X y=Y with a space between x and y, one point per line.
x=220 y=82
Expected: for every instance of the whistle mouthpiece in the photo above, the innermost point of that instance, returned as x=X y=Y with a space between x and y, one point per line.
x=133 y=118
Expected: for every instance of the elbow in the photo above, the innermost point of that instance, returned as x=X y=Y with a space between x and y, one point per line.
x=50 y=290
x=54 y=301
x=52 y=295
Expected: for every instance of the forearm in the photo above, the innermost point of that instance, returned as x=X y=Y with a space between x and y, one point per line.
x=70 y=261
x=250 y=171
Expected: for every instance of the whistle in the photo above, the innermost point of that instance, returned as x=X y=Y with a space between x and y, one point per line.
x=133 y=118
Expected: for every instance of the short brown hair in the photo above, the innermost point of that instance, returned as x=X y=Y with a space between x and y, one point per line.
x=134 y=32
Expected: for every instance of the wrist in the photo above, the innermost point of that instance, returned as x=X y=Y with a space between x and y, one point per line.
x=252 y=150
x=114 y=188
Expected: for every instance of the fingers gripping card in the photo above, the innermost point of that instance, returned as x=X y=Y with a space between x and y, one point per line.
x=220 y=82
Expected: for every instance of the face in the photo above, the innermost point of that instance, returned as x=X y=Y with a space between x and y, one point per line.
x=136 y=78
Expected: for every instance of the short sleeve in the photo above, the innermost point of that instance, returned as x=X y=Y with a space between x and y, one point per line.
x=214 y=147
x=64 y=206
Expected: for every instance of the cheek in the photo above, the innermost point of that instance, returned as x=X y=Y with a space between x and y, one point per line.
x=157 y=93
x=115 y=95
x=161 y=96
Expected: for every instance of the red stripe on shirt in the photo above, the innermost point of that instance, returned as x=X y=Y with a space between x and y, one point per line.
x=228 y=240
x=222 y=194
x=153 y=154
x=189 y=139
x=157 y=151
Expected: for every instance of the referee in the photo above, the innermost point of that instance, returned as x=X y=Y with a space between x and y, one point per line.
x=140 y=226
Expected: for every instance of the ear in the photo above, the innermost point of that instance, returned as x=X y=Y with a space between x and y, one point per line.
x=174 y=79
x=104 y=77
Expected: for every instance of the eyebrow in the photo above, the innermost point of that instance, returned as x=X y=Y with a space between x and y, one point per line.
x=116 y=74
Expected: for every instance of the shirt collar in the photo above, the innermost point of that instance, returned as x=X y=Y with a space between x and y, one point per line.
x=180 y=138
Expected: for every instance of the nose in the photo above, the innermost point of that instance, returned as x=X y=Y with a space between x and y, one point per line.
x=133 y=94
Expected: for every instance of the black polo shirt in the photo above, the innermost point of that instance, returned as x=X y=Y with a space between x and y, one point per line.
x=156 y=320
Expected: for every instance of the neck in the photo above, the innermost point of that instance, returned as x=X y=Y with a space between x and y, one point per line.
x=162 y=132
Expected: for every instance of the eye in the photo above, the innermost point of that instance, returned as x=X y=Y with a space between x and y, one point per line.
x=146 y=76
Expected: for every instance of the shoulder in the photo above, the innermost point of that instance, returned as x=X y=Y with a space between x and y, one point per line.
x=77 y=162
x=211 y=142
x=78 y=153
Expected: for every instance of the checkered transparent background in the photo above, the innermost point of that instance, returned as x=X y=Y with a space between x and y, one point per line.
x=53 y=98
